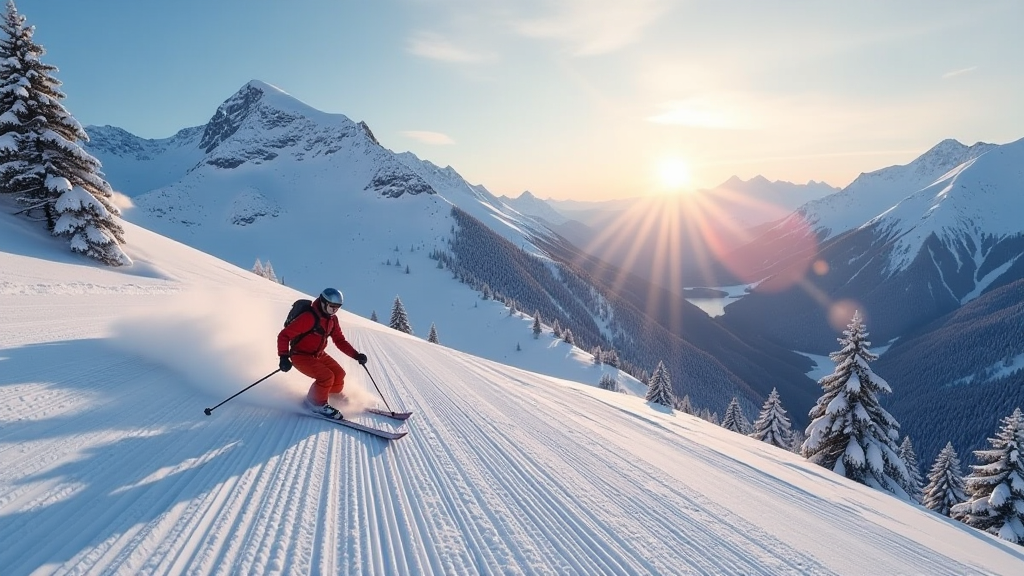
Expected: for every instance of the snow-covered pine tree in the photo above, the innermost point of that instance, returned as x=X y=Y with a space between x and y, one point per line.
x=608 y=382
x=773 y=425
x=41 y=162
x=798 y=440
x=659 y=390
x=556 y=328
x=914 y=481
x=611 y=358
x=945 y=487
x=536 y=325
x=373 y=316
x=995 y=486
x=684 y=405
x=567 y=337
x=399 y=318
x=596 y=353
x=850 y=433
x=268 y=272
x=711 y=417
x=257 y=268
x=432 y=336
x=734 y=418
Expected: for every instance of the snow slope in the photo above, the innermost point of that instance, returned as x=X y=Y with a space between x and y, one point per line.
x=108 y=464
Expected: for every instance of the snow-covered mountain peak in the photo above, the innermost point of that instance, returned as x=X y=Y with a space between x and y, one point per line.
x=260 y=122
x=527 y=203
x=872 y=193
x=969 y=209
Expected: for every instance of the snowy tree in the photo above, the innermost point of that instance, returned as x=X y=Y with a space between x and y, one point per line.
x=659 y=390
x=257 y=268
x=41 y=161
x=556 y=328
x=914 y=481
x=432 y=337
x=268 y=272
x=685 y=406
x=772 y=424
x=399 y=319
x=995 y=486
x=945 y=482
x=373 y=316
x=596 y=353
x=850 y=433
x=798 y=440
x=567 y=337
x=536 y=325
x=734 y=418
x=707 y=414
x=611 y=358
x=608 y=383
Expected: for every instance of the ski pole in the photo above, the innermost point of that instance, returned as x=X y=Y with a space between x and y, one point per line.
x=377 y=387
x=209 y=411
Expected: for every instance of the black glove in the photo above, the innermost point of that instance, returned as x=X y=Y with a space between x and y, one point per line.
x=361 y=358
x=286 y=364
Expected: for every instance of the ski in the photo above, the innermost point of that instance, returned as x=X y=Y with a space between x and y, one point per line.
x=389 y=414
x=385 y=434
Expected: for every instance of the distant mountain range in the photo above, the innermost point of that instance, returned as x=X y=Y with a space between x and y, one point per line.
x=936 y=234
x=916 y=248
x=667 y=238
x=930 y=253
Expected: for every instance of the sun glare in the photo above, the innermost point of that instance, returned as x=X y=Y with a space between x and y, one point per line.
x=673 y=175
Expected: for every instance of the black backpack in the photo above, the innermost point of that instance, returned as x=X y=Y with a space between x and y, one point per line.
x=300 y=307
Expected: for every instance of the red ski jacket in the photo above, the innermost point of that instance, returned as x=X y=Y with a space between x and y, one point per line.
x=315 y=342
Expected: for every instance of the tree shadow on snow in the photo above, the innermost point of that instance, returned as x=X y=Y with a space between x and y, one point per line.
x=108 y=459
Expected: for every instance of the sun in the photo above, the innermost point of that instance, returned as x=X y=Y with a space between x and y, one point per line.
x=673 y=175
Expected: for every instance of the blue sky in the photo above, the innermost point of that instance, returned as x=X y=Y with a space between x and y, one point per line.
x=582 y=99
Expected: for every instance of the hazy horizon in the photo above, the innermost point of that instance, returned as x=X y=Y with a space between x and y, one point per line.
x=566 y=98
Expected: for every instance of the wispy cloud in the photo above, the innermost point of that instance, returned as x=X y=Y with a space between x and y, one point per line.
x=959 y=72
x=717 y=113
x=591 y=27
x=427 y=137
x=436 y=47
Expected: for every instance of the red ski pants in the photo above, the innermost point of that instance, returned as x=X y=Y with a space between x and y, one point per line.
x=328 y=376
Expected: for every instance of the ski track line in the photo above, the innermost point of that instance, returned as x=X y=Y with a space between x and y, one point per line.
x=529 y=521
x=590 y=548
x=226 y=544
x=816 y=507
x=330 y=490
x=562 y=560
x=775 y=560
x=657 y=550
x=419 y=494
x=776 y=555
x=468 y=516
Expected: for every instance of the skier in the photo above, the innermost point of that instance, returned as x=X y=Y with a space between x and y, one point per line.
x=302 y=343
